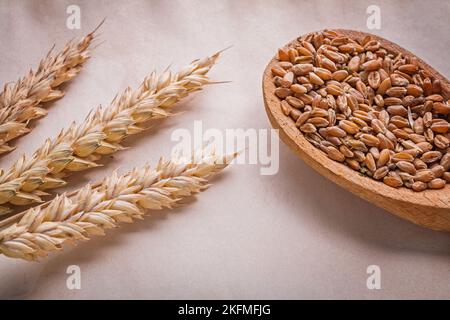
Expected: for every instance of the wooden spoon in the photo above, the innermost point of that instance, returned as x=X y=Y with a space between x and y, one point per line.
x=429 y=208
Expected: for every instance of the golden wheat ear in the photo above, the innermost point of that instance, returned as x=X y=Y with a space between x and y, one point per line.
x=78 y=147
x=22 y=101
x=118 y=198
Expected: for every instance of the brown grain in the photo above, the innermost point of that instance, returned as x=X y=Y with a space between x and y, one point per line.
x=377 y=111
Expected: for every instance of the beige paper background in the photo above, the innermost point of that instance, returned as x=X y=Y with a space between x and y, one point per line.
x=291 y=235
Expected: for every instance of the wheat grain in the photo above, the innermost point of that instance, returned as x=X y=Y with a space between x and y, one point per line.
x=78 y=147
x=119 y=198
x=21 y=101
x=379 y=102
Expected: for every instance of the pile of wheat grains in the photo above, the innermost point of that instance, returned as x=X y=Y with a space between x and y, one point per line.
x=374 y=110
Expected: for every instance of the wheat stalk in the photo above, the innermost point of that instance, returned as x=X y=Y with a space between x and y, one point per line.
x=21 y=101
x=78 y=147
x=119 y=198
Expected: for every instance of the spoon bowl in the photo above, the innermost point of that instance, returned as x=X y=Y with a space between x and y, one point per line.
x=429 y=208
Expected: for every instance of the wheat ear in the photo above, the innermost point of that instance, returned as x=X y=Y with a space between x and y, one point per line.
x=119 y=198
x=78 y=147
x=21 y=101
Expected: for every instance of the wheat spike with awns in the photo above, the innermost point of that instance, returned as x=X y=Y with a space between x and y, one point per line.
x=78 y=147
x=119 y=198
x=22 y=101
